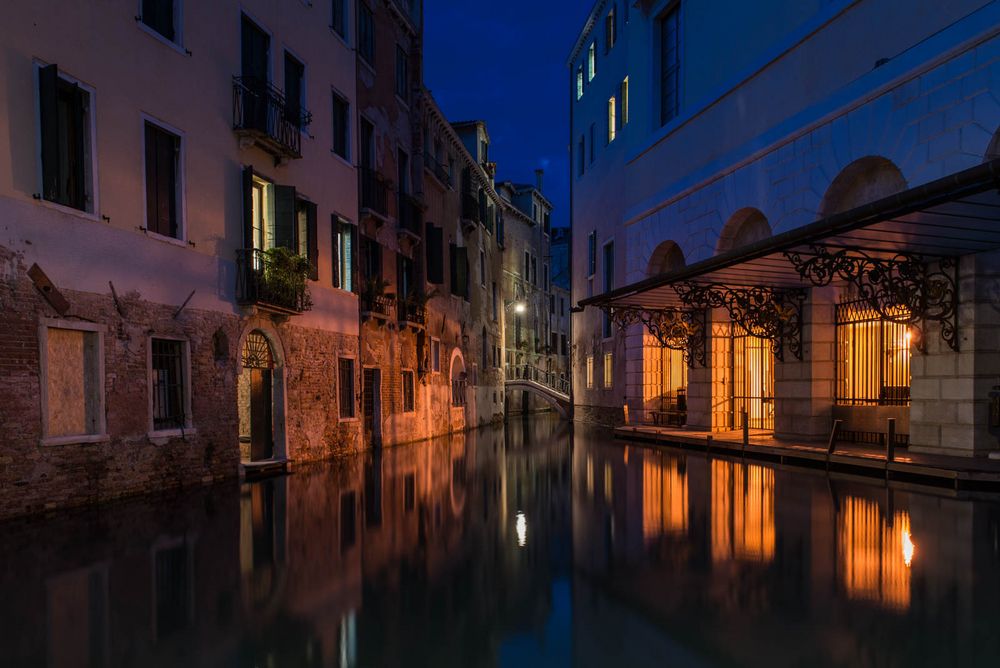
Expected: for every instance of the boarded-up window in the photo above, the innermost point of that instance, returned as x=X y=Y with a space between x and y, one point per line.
x=74 y=391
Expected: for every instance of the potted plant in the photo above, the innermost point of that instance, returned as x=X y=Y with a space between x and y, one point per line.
x=286 y=276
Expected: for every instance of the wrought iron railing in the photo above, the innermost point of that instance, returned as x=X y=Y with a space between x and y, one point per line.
x=262 y=110
x=381 y=305
x=411 y=214
x=412 y=312
x=260 y=282
x=550 y=379
x=374 y=191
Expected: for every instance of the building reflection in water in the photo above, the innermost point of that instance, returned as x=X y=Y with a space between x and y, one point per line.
x=664 y=496
x=742 y=512
x=451 y=553
x=876 y=553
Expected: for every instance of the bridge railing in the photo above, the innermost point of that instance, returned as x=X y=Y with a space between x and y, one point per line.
x=549 y=379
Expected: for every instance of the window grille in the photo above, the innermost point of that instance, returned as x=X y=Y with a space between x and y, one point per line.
x=346 y=388
x=168 y=384
x=873 y=358
x=752 y=367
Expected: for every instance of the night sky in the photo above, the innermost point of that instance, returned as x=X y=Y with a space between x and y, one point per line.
x=505 y=63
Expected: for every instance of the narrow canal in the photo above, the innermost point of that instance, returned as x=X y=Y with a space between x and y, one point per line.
x=517 y=547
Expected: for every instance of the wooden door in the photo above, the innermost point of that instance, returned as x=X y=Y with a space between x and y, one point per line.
x=261 y=429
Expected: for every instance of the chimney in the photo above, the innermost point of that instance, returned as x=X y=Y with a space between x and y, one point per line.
x=539 y=177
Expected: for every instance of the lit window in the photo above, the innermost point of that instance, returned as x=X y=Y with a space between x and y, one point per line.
x=873 y=357
x=612 y=119
x=343 y=265
x=579 y=82
x=592 y=61
x=590 y=372
x=608 y=370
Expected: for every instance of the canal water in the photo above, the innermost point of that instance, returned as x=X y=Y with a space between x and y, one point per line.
x=523 y=546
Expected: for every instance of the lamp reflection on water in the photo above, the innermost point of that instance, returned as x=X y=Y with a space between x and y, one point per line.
x=875 y=555
x=521 y=527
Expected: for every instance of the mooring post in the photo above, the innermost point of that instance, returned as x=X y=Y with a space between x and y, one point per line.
x=832 y=444
x=746 y=429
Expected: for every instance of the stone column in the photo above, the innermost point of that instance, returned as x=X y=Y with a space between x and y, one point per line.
x=804 y=390
x=949 y=411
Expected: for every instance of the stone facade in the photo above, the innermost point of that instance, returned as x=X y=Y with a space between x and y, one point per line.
x=855 y=134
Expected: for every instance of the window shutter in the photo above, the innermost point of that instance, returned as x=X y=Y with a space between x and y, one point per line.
x=312 y=241
x=353 y=260
x=453 y=268
x=48 y=98
x=161 y=187
x=463 y=271
x=435 y=254
x=336 y=251
x=285 y=220
x=248 y=207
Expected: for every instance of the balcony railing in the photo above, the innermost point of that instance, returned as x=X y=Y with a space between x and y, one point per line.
x=470 y=207
x=378 y=305
x=261 y=112
x=440 y=171
x=259 y=282
x=412 y=313
x=374 y=191
x=411 y=214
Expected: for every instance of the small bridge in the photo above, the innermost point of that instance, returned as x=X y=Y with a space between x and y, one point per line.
x=545 y=384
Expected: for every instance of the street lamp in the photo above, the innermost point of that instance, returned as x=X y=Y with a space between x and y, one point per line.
x=518 y=306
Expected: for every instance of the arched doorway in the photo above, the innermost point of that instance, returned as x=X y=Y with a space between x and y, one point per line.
x=664 y=370
x=256 y=399
x=750 y=369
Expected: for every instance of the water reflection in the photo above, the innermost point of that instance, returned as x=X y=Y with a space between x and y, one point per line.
x=512 y=548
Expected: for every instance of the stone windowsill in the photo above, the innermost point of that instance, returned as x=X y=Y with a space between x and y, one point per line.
x=81 y=439
x=163 y=436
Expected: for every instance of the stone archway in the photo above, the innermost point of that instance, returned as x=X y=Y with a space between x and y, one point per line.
x=261 y=397
x=667 y=257
x=746 y=226
x=865 y=180
x=664 y=372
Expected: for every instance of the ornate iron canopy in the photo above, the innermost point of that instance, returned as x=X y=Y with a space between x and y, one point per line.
x=904 y=288
x=766 y=313
x=677 y=329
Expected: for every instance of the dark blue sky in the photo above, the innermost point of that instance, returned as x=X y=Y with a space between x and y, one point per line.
x=505 y=63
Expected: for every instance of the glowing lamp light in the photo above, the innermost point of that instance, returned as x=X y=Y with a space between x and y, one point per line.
x=908 y=548
x=521 y=527
x=520 y=307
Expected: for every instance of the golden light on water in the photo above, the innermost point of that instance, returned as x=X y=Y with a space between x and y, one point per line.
x=521 y=527
x=875 y=554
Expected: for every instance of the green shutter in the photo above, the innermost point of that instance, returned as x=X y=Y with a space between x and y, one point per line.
x=285 y=218
x=248 y=207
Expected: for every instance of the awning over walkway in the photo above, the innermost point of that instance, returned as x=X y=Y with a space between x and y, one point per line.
x=898 y=252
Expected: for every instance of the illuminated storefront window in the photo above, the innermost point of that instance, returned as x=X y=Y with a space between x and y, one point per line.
x=873 y=358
